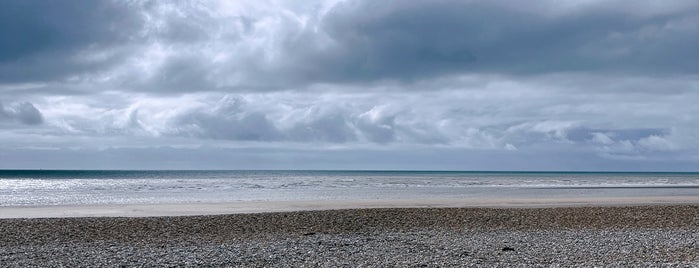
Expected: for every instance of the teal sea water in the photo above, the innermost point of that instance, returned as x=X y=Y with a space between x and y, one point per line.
x=68 y=187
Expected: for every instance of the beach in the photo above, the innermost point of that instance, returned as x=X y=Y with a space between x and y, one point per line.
x=347 y=218
x=609 y=235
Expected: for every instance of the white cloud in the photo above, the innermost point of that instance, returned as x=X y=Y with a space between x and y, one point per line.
x=601 y=138
x=656 y=143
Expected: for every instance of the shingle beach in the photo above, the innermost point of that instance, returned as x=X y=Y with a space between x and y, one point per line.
x=403 y=237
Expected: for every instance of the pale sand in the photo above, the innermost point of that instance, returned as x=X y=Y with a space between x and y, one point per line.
x=193 y=209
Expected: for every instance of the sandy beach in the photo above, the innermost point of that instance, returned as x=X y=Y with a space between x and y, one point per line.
x=610 y=235
x=221 y=208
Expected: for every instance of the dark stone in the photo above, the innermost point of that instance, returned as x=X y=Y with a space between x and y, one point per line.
x=308 y=234
x=508 y=249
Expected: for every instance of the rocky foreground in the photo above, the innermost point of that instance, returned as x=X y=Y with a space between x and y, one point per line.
x=410 y=237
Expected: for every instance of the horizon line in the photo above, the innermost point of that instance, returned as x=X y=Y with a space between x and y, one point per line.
x=368 y=170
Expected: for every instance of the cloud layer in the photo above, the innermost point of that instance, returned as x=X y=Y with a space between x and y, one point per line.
x=593 y=81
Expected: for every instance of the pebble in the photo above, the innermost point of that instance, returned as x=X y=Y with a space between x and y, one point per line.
x=434 y=237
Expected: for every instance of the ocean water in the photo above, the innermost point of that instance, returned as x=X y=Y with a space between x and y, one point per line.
x=75 y=187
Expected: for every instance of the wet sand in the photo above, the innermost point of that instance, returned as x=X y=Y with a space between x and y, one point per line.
x=196 y=209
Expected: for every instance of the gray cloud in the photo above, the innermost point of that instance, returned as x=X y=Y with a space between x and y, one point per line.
x=189 y=47
x=228 y=121
x=22 y=112
x=46 y=40
x=456 y=119
x=312 y=158
x=584 y=134
x=416 y=39
x=234 y=118
x=459 y=118
x=592 y=81
x=331 y=125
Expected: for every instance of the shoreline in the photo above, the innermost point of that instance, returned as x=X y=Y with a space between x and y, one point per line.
x=246 y=207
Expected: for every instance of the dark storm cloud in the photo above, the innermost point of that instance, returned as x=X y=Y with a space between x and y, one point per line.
x=409 y=41
x=417 y=39
x=187 y=46
x=42 y=40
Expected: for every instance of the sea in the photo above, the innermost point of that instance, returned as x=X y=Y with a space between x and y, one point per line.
x=92 y=187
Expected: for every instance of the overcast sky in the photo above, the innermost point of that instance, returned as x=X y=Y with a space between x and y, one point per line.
x=457 y=85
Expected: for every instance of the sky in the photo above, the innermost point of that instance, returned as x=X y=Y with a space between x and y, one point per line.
x=581 y=85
